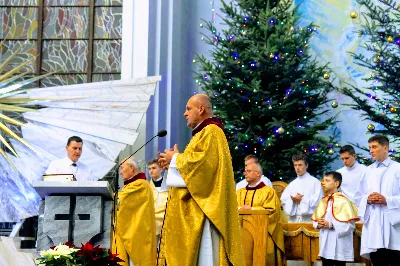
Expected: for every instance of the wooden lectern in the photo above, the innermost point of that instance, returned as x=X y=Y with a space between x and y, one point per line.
x=254 y=226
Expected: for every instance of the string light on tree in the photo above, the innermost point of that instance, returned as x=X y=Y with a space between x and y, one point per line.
x=334 y=104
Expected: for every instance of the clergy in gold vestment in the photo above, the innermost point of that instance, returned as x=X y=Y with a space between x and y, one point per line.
x=135 y=237
x=205 y=199
x=257 y=196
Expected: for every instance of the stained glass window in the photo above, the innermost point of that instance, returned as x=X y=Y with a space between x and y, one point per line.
x=79 y=40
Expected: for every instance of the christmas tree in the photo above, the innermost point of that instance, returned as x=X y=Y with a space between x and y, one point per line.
x=269 y=91
x=380 y=55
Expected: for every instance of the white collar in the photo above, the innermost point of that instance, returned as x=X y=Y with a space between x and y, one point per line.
x=161 y=177
x=304 y=176
x=70 y=161
x=352 y=167
x=386 y=162
x=259 y=181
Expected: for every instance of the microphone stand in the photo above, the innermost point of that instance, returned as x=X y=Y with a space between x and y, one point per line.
x=116 y=178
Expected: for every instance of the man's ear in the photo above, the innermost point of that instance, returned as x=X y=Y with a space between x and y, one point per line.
x=202 y=109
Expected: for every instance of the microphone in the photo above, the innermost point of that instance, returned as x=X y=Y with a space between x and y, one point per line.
x=162 y=133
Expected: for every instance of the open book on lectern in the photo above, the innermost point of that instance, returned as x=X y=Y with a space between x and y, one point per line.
x=59 y=177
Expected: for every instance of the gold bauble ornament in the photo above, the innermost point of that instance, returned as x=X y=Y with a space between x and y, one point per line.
x=390 y=39
x=327 y=76
x=331 y=151
x=353 y=14
x=393 y=109
x=281 y=130
x=371 y=127
x=334 y=104
x=271 y=55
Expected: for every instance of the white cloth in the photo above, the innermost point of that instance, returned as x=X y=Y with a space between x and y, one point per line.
x=351 y=177
x=10 y=256
x=209 y=244
x=312 y=192
x=381 y=222
x=81 y=171
x=244 y=183
x=336 y=243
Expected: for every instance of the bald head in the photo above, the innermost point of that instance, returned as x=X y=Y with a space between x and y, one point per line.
x=198 y=108
x=203 y=99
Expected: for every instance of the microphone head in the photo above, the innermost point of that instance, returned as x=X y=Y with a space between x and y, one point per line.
x=162 y=133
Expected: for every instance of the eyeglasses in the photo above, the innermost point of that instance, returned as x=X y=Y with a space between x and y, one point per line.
x=249 y=171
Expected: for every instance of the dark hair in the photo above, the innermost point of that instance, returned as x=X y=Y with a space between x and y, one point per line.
x=154 y=161
x=74 y=138
x=381 y=139
x=336 y=176
x=347 y=148
x=251 y=156
x=300 y=157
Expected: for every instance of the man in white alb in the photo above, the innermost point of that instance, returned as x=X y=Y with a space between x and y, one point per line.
x=302 y=195
x=378 y=201
x=249 y=159
x=70 y=164
x=351 y=172
x=158 y=185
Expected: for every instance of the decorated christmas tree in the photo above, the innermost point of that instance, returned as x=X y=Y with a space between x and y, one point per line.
x=380 y=56
x=268 y=89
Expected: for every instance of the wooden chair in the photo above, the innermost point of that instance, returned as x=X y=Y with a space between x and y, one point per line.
x=279 y=187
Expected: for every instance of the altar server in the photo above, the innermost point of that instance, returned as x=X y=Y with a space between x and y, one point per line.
x=302 y=195
x=335 y=216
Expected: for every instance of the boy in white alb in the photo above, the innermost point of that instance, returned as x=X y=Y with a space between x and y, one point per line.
x=351 y=172
x=335 y=216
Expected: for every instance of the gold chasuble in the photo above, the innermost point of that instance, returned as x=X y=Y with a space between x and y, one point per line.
x=263 y=197
x=343 y=209
x=206 y=168
x=136 y=226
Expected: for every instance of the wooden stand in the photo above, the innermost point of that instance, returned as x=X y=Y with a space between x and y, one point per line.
x=302 y=243
x=254 y=225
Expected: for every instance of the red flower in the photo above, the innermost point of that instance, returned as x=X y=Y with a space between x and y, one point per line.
x=69 y=244
x=114 y=257
x=90 y=252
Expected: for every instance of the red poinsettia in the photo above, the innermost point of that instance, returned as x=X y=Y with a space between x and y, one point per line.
x=113 y=257
x=90 y=252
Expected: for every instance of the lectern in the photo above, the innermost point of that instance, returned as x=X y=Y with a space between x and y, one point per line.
x=78 y=211
x=254 y=225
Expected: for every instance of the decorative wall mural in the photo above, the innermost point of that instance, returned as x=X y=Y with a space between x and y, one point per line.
x=337 y=36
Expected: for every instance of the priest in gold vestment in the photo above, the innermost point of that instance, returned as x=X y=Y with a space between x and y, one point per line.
x=257 y=196
x=135 y=233
x=202 y=210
